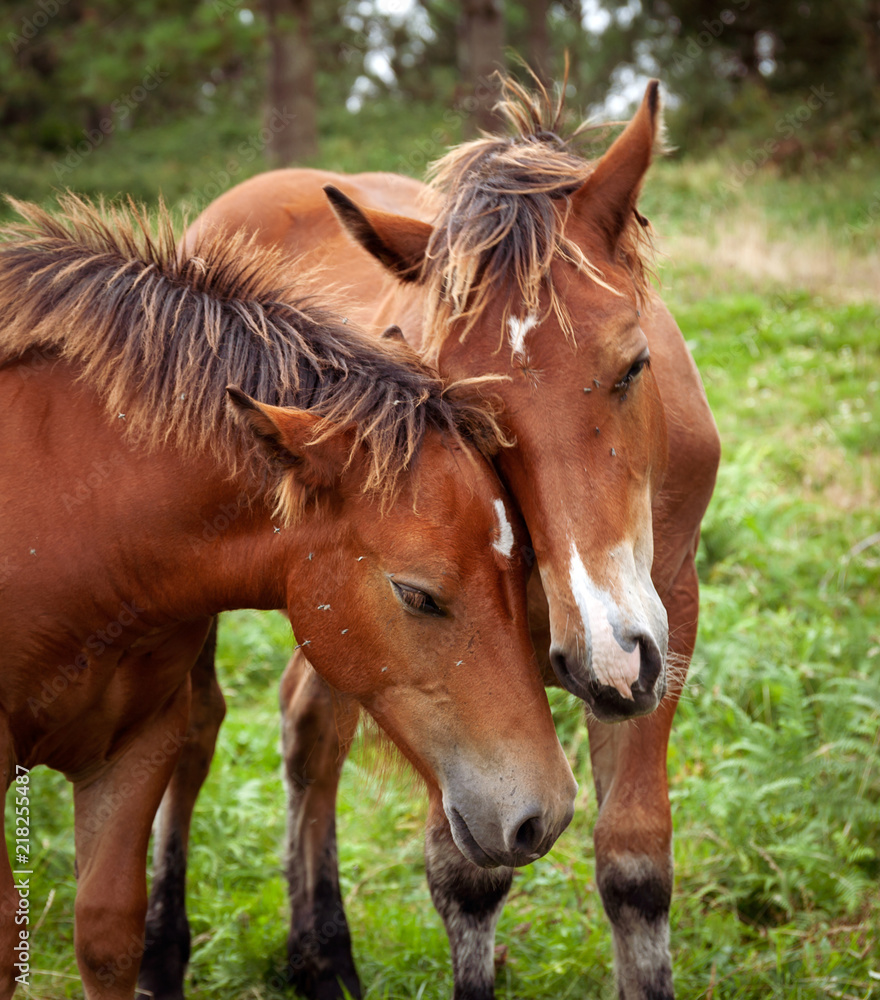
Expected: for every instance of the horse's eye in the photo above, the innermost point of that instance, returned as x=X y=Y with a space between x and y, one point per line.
x=635 y=370
x=417 y=600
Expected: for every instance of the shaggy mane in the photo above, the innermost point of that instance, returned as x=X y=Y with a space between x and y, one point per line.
x=506 y=200
x=160 y=335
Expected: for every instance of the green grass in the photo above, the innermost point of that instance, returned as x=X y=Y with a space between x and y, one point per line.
x=774 y=763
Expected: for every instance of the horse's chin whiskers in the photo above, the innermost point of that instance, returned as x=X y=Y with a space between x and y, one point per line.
x=676 y=673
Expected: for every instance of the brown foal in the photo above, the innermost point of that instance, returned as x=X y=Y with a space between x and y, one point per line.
x=341 y=482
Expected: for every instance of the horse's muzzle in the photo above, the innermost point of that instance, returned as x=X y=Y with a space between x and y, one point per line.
x=525 y=838
x=606 y=701
x=505 y=814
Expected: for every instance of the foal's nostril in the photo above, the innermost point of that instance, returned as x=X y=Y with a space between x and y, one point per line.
x=571 y=674
x=559 y=663
x=528 y=837
x=650 y=667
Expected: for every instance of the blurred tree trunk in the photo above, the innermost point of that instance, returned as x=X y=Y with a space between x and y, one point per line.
x=871 y=34
x=539 y=39
x=575 y=13
x=481 y=52
x=291 y=117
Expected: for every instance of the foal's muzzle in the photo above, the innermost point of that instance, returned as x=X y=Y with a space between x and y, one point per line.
x=525 y=838
x=605 y=701
x=501 y=814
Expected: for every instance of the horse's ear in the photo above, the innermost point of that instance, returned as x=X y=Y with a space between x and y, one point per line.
x=608 y=197
x=295 y=438
x=393 y=332
x=396 y=241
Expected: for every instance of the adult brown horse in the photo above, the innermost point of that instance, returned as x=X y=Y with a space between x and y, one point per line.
x=136 y=507
x=525 y=260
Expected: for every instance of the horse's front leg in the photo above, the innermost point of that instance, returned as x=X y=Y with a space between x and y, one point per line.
x=167 y=944
x=633 y=834
x=114 y=813
x=317 y=728
x=470 y=901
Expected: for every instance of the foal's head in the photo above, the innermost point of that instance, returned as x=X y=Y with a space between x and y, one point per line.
x=416 y=608
x=534 y=270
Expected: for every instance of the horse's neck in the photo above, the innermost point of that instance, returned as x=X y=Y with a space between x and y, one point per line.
x=212 y=542
x=165 y=530
x=233 y=553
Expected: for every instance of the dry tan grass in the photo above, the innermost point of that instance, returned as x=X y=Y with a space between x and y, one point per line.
x=737 y=247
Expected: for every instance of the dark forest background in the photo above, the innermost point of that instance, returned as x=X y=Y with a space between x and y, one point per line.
x=280 y=79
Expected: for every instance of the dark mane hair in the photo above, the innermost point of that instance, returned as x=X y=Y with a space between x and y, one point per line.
x=505 y=202
x=160 y=335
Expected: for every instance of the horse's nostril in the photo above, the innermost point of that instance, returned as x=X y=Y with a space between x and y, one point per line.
x=559 y=663
x=571 y=674
x=529 y=835
x=650 y=667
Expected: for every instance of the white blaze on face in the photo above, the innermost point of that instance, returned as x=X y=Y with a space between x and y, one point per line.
x=612 y=664
x=503 y=544
x=517 y=331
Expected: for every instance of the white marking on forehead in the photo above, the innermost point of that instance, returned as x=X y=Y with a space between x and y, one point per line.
x=504 y=542
x=518 y=329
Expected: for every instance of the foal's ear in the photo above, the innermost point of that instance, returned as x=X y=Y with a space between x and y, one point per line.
x=608 y=197
x=396 y=241
x=393 y=332
x=288 y=434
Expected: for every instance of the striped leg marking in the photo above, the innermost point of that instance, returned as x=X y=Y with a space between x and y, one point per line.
x=636 y=894
x=470 y=900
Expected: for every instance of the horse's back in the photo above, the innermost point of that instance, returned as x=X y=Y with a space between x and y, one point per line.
x=288 y=209
x=280 y=203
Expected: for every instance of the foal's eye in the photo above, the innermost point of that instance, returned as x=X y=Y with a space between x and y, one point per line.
x=635 y=370
x=417 y=600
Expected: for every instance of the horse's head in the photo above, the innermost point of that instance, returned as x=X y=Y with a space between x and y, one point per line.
x=419 y=613
x=533 y=271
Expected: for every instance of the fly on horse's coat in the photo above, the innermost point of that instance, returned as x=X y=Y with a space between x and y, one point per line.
x=523 y=259
x=312 y=467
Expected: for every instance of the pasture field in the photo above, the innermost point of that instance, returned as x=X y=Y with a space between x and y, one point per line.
x=774 y=763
